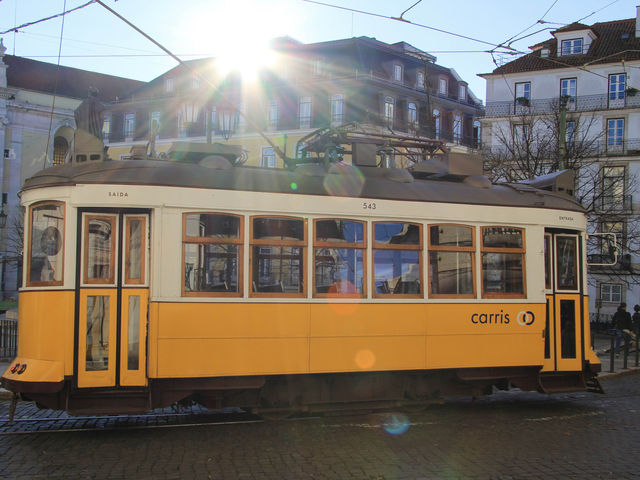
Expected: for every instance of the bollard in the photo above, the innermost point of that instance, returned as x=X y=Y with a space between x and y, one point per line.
x=612 y=353
x=626 y=352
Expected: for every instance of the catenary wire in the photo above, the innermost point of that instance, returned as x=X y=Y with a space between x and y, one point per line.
x=51 y=17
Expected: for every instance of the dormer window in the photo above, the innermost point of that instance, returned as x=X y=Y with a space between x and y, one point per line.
x=420 y=80
x=462 y=93
x=572 y=46
x=168 y=85
x=397 y=72
x=442 y=86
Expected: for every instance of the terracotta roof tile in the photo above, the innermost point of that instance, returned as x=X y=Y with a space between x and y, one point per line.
x=615 y=41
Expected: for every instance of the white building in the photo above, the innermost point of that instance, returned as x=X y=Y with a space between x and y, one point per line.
x=595 y=71
x=37 y=124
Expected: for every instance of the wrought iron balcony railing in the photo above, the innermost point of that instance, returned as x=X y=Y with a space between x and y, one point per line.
x=580 y=103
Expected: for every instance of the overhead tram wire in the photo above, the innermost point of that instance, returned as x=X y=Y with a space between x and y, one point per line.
x=55 y=87
x=404 y=20
x=201 y=77
x=51 y=17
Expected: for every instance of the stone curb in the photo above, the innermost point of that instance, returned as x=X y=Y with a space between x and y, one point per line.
x=628 y=371
x=5 y=394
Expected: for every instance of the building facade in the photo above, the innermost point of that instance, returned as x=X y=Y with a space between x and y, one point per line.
x=576 y=95
x=37 y=124
x=397 y=88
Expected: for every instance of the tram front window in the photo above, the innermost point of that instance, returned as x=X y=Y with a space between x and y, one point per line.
x=397 y=258
x=46 y=240
x=212 y=254
x=277 y=256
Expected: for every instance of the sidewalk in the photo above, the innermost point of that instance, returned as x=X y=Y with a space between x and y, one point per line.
x=4 y=394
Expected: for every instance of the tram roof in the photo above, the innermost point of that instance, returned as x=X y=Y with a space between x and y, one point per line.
x=371 y=183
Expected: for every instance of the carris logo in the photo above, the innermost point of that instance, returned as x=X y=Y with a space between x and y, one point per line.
x=526 y=318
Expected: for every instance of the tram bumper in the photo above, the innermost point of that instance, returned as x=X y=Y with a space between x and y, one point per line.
x=26 y=375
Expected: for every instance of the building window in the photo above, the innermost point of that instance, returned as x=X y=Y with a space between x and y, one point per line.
x=617 y=85
x=106 y=128
x=273 y=114
x=397 y=259
x=268 y=158
x=613 y=187
x=60 y=149
x=318 y=67
x=129 y=125
x=388 y=111
x=46 y=242
x=572 y=47
x=304 y=112
x=412 y=115
x=337 y=109
x=502 y=262
x=339 y=258
x=570 y=134
x=607 y=246
x=462 y=92
x=568 y=89
x=168 y=85
x=457 y=128
x=397 y=73
x=420 y=80
x=615 y=134
x=278 y=246
x=451 y=261
x=611 y=293
x=213 y=119
x=212 y=255
x=523 y=90
x=154 y=123
x=436 y=123
x=521 y=134
x=443 y=86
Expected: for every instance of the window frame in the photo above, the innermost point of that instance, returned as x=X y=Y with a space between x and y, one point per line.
x=615 y=140
x=443 y=86
x=526 y=92
x=610 y=299
x=522 y=251
x=113 y=220
x=346 y=245
x=440 y=248
x=239 y=242
x=55 y=283
x=398 y=72
x=127 y=279
x=565 y=85
x=129 y=125
x=306 y=121
x=385 y=246
x=273 y=115
x=388 y=110
x=568 y=46
x=616 y=94
x=302 y=244
x=337 y=109
x=265 y=155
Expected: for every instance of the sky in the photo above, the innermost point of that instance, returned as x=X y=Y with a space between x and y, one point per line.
x=92 y=38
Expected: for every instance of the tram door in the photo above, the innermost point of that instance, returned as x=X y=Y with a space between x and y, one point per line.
x=563 y=332
x=113 y=299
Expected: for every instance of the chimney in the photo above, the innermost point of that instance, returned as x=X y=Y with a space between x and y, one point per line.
x=638 y=22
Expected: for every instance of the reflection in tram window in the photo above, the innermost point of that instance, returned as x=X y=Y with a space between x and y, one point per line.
x=502 y=262
x=133 y=338
x=567 y=273
x=46 y=240
x=212 y=254
x=451 y=260
x=339 y=271
x=135 y=250
x=397 y=258
x=277 y=256
x=99 y=250
x=97 y=356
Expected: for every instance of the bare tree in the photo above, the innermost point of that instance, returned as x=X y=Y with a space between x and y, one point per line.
x=529 y=145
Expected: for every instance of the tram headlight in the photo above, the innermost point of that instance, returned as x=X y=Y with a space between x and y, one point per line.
x=15 y=367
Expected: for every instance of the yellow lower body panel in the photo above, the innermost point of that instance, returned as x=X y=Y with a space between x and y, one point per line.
x=224 y=339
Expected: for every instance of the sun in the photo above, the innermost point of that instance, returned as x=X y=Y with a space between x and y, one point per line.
x=237 y=34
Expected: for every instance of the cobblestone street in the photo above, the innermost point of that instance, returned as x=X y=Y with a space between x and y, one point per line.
x=512 y=435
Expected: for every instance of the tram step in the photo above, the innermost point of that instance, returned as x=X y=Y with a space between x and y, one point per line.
x=593 y=385
x=108 y=402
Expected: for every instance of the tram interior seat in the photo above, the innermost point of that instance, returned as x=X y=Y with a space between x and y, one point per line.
x=272 y=288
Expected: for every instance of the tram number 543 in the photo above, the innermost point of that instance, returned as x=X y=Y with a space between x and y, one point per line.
x=369 y=206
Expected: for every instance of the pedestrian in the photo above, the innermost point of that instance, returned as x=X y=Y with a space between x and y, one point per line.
x=636 y=319
x=621 y=322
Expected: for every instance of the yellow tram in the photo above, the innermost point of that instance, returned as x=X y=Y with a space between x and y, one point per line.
x=150 y=282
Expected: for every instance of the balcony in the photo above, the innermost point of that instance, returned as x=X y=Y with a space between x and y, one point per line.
x=615 y=204
x=581 y=103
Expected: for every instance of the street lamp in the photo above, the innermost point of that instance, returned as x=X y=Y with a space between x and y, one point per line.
x=226 y=120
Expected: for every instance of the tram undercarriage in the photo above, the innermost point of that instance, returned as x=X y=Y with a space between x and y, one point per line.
x=284 y=394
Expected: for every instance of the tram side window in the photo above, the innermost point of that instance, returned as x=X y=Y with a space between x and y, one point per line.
x=339 y=258
x=277 y=256
x=46 y=241
x=503 y=262
x=397 y=259
x=451 y=261
x=212 y=256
